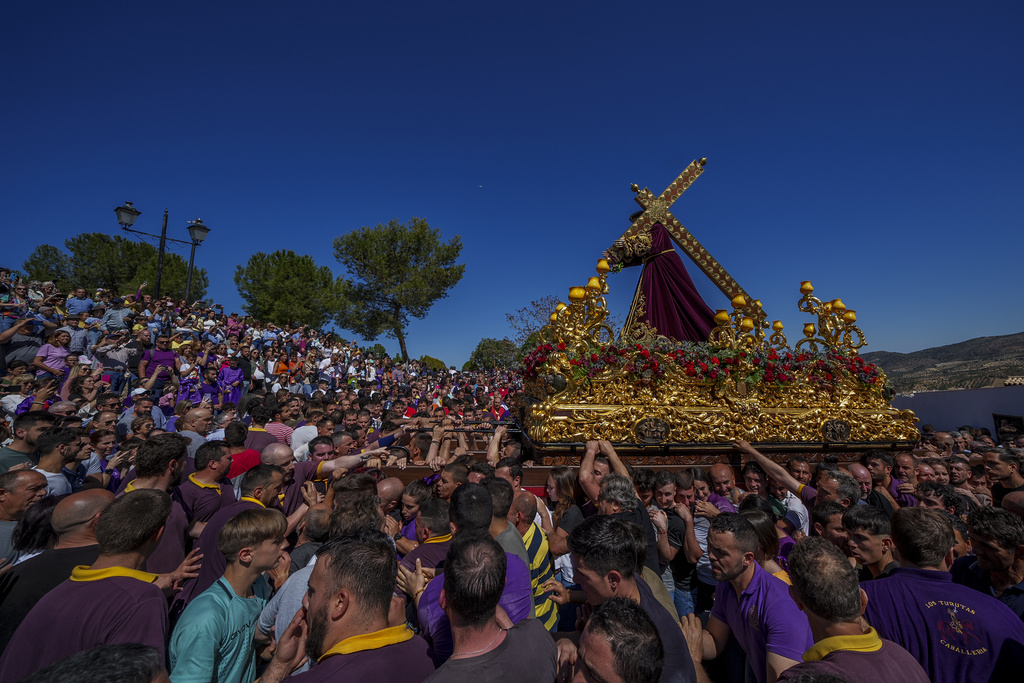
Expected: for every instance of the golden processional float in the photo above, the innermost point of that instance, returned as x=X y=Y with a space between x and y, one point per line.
x=675 y=402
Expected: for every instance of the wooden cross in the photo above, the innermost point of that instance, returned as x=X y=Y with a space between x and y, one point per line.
x=656 y=210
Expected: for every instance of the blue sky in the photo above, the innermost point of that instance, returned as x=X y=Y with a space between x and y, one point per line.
x=873 y=148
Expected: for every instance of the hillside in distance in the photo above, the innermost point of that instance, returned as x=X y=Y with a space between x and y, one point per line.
x=971 y=364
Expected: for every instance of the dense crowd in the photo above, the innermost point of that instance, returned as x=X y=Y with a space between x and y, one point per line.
x=203 y=495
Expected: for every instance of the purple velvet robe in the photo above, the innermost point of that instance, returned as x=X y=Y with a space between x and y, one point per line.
x=666 y=298
x=225 y=378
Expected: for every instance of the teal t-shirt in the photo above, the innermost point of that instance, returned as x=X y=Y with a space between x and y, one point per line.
x=213 y=639
x=10 y=457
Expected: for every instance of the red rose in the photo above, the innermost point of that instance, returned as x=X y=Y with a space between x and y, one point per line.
x=756 y=361
x=714 y=359
x=703 y=367
x=645 y=353
x=542 y=359
x=690 y=371
x=593 y=357
x=561 y=346
x=714 y=374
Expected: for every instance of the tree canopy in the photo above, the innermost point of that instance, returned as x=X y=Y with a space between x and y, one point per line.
x=286 y=288
x=396 y=271
x=491 y=354
x=528 y=319
x=112 y=262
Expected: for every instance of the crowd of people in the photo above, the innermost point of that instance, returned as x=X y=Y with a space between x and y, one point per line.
x=172 y=504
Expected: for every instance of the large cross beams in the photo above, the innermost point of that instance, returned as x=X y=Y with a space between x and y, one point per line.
x=657 y=210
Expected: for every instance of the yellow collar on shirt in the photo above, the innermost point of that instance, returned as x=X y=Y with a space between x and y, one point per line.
x=202 y=484
x=866 y=642
x=83 y=573
x=439 y=539
x=252 y=500
x=370 y=641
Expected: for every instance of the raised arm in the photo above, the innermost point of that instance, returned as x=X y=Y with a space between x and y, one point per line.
x=494 y=446
x=587 y=481
x=771 y=468
x=608 y=451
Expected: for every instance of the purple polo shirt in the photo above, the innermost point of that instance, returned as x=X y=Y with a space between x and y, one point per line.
x=214 y=563
x=171 y=550
x=808 y=495
x=406 y=662
x=904 y=499
x=304 y=471
x=955 y=632
x=430 y=554
x=516 y=600
x=158 y=357
x=764 y=619
x=202 y=500
x=84 y=612
x=723 y=504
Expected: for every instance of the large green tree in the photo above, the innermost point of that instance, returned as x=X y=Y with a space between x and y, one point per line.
x=113 y=262
x=491 y=354
x=47 y=262
x=287 y=288
x=395 y=271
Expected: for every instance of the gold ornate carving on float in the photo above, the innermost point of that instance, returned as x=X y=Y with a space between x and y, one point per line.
x=638 y=388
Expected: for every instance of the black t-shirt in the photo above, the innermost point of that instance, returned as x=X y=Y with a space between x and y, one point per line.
x=640 y=517
x=134 y=358
x=683 y=571
x=877 y=500
x=23 y=586
x=246 y=367
x=571 y=519
x=999 y=491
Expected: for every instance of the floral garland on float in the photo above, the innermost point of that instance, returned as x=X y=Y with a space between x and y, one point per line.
x=585 y=382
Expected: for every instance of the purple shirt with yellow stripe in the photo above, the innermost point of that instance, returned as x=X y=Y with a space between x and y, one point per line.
x=94 y=607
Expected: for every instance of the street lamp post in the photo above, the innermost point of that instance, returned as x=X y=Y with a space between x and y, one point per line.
x=126 y=216
x=198 y=232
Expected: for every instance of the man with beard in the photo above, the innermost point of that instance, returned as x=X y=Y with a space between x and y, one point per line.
x=345 y=614
x=751 y=603
x=159 y=463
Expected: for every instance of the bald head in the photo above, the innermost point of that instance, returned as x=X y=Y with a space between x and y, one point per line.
x=863 y=478
x=389 y=491
x=277 y=454
x=944 y=441
x=1014 y=502
x=78 y=510
x=723 y=479
x=198 y=420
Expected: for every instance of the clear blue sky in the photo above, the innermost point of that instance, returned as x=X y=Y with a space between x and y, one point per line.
x=873 y=148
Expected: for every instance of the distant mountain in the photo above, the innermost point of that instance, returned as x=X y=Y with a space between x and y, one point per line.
x=975 y=363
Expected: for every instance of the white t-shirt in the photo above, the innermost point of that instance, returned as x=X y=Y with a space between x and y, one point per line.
x=56 y=484
x=303 y=435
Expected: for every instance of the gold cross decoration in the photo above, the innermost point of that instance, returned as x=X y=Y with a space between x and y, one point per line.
x=656 y=210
